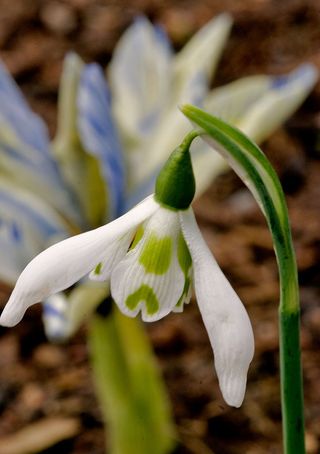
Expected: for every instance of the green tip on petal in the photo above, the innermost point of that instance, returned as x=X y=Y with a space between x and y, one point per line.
x=175 y=185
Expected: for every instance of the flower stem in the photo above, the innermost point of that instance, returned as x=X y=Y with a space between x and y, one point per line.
x=132 y=397
x=290 y=359
x=291 y=384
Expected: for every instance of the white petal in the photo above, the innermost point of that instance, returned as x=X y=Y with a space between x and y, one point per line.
x=224 y=316
x=66 y=262
x=150 y=279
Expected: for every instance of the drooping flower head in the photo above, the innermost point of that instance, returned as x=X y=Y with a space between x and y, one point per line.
x=151 y=257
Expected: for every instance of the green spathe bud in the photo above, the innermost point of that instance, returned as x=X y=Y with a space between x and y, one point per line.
x=175 y=185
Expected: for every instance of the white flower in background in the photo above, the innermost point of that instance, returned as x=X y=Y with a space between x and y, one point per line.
x=92 y=172
x=151 y=257
x=150 y=126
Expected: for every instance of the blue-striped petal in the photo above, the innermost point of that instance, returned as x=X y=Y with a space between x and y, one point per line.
x=28 y=126
x=27 y=226
x=286 y=93
x=79 y=168
x=257 y=105
x=19 y=124
x=22 y=165
x=25 y=153
x=140 y=78
x=98 y=134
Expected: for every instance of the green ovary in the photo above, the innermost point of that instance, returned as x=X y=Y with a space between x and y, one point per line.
x=146 y=294
x=156 y=254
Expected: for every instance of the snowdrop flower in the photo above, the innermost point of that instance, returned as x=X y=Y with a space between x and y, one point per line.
x=84 y=178
x=151 y=257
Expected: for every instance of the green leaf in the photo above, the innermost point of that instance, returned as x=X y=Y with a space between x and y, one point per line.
x=129 y=384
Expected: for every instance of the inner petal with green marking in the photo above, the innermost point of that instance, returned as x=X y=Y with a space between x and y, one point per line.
x=156 y=254
x=143 y=294
x=151 y=278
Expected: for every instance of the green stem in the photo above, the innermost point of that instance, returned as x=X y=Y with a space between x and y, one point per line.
x=131 y=393
x=291 y=383
x=290 y=358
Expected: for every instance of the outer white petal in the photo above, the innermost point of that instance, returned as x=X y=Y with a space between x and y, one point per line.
x=66 y=262
x=131 y=275
x=224 y=316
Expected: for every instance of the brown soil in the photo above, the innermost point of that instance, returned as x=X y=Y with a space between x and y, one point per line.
x=39 y=381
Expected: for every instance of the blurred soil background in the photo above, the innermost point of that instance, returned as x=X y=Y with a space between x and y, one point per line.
x=47 y=389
